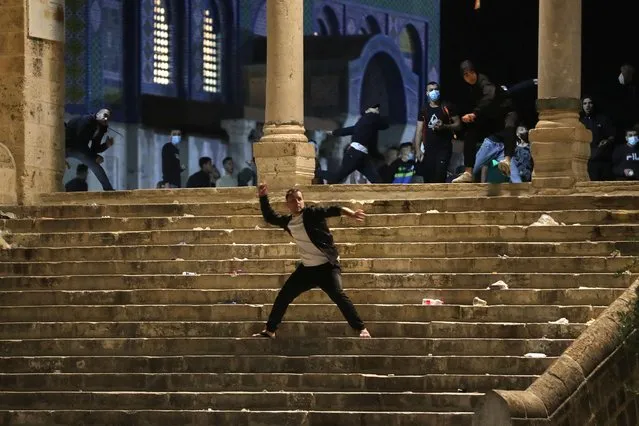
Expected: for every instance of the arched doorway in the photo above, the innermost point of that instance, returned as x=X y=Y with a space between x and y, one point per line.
x=410 y=46
x=383 y=84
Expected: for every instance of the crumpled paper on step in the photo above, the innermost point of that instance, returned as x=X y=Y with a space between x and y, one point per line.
x=546 y=220
x=562 y=321
x=7 y=215
x=479 y=302
x=499 y=285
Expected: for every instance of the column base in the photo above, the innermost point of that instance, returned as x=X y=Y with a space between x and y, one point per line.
x=284 y=164
x=560 y=149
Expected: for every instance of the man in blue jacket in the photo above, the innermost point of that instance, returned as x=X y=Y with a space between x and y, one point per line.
x=83 y=141
x=320 y=261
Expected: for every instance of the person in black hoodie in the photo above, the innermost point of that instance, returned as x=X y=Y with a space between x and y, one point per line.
x=205 y=177
x=83 y=137
x=363 y=146
x=320 y=260
x=493 y=113
x=171 y=166
x=602 y=144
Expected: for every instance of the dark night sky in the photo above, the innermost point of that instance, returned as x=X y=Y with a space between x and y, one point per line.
x=502 y=37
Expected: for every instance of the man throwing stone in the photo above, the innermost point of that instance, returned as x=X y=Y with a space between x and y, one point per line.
x=320 y=261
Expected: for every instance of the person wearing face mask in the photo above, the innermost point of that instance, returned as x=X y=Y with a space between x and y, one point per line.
x=83 y=141
x=436 y=127
x=363 y=146
x=404 y=167
x=602 y=143
x=625 y=159
x=493 y=112
x=171 y=166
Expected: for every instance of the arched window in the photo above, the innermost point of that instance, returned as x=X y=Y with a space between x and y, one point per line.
x=162 y=44
x=211 y=54
x=207 y=49
x=370 y=26
x=158 y=37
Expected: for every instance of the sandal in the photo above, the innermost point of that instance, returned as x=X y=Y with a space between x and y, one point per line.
x=264 y=333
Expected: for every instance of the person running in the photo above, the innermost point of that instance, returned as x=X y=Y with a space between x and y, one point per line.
x=320 y=260
x=364 y=135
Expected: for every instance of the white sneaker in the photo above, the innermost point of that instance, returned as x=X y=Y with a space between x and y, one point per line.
x=465 y=177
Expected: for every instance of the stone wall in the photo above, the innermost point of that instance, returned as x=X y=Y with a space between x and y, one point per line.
x=595 y=382
x=31 y=101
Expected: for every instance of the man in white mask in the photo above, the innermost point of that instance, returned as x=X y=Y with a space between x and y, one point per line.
x=172 y=168
x=83 y=141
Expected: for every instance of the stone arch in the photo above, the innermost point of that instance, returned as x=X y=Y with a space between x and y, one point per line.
x=8 y=176
x=370 y=26
x=410 y=44
x=381 y=64
x=330 y=19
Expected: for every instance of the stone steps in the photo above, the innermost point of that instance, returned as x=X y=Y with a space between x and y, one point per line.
x=306 y=312
x=523 y=218
x=459 y=281
x=420 y=234
x=348 y=250
x=290 y=329
x=582 y=296
x=230 y=417
x=215 y=382
x=308 y=346
x=578 y=264
x=360 y=364
x=282 y=400
x=372 y=205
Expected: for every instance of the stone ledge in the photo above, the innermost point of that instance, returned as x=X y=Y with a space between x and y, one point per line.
x=562 y=380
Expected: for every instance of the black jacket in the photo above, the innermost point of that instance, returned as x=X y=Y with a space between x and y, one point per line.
x=491 y=101
x=199 y=179
x=601 y=128
x=171 y=166
x=76 y=185
x=365 y=131
x=79 y=131
x=314 y=219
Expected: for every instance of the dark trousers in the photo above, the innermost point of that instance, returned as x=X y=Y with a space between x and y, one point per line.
x=434 y=166
x=88 y=160
x=504 y=128
x=600 y=170
x=353 y=160
x=328 y=277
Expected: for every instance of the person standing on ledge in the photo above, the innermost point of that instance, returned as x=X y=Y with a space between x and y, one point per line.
x=320 y=261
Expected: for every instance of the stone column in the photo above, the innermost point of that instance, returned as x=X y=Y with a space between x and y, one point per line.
x=283 y=156
x=560 y=143
x=240 y=148
x=31 y=101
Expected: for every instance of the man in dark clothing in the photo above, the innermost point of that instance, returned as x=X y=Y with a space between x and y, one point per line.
x=79 y=182
x=625 y=159
x=363 y=146
x=83 y=137
x=623 y=102
x=602 y=144
x=493 y=113
x=171 y=166
x=436 y=126
x=320 y=259
x=204 y=178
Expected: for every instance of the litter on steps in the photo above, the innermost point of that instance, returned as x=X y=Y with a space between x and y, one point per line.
x=562 y=321
x=535 y=355
x=546 y=220
x=479 y=302
x=432 y=302
x=499 y=285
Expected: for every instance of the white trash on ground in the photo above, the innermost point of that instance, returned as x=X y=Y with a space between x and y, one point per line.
x=499 y=285
x=432 y=211
x=190 y=274
x=432 y=301
x=535 y=355
x=479 y=302
x=545 y=220
x=562 y=321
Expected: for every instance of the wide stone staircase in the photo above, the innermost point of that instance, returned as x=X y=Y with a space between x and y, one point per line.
x=136 y=308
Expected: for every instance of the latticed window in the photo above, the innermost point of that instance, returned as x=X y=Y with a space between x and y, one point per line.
x=211 y=54
x=161 y=44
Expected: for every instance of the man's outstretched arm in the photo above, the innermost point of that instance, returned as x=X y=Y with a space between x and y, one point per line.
x=268 y=213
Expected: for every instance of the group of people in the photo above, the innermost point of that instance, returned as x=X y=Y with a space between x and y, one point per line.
x=496 y=146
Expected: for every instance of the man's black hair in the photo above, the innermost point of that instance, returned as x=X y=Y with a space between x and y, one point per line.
x=432 y=83
x=204 y=160
x=291 y=192
x=226 y=159
x=406 y=144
